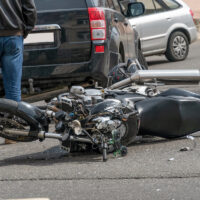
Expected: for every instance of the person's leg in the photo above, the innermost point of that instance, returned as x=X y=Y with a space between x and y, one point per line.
x=12 y=60
x=1 y=47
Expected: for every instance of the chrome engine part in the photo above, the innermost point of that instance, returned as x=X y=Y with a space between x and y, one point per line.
x=105 y=123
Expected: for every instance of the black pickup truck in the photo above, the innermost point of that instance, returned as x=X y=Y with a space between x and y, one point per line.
x=77 y=41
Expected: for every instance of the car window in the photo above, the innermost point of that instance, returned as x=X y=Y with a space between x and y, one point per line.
x=99 y=3
x=111 y=5
x=159 y=6
x=149 y=6
x=116 y=5
x=171 y=4
x=124 y=6
x=106 y=4
x=58 y=4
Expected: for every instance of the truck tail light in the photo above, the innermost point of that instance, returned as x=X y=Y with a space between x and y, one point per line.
x=99 y=49
x=97 y=23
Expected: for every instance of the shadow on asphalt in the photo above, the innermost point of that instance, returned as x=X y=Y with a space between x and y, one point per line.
x=55 y=155
x=51 y=156
x=157 y=62
x=151 y=140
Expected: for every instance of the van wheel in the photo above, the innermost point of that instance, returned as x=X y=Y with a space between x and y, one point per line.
x=142 y=60
x=178 y=47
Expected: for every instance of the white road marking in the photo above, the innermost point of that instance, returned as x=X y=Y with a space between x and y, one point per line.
x=31 y=199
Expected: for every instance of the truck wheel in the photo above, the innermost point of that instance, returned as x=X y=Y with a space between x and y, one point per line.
x=142 y=60
x=178 y=47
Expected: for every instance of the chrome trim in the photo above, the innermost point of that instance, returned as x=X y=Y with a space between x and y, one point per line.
x=142 y=75
x=153 y=37
x=46 y=27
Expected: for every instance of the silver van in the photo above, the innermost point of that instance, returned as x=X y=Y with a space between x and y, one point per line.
x=164 y=26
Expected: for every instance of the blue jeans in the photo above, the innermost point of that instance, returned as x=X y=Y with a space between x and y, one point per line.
x=11 y=60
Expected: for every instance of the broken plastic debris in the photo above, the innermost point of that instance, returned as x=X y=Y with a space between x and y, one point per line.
x=185 y=149
x=193 y=140
x=171 y=159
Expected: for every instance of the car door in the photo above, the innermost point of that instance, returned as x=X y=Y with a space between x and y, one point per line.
x=119 y=20
x=152 y=26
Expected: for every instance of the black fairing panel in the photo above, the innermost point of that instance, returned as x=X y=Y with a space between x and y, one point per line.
x=169 y=117
x=105 y=106
x=33 y=115
x=179 y=92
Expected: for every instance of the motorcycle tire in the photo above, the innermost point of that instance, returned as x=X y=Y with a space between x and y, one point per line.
x=13 y=120
x=132 y=127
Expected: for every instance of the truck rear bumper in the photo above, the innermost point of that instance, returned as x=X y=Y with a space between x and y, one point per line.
x=97 y=69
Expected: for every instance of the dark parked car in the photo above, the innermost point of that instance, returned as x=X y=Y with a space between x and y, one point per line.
x=76 y=41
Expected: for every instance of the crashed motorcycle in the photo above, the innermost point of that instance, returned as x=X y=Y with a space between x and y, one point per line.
x=107 y=120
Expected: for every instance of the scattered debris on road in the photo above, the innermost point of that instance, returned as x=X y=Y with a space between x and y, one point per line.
x=171 y=159
x=185 y=149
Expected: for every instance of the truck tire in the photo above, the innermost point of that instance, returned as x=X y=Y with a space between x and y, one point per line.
x=178 y=47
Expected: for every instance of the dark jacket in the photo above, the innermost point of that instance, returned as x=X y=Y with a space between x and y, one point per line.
x=17 y=17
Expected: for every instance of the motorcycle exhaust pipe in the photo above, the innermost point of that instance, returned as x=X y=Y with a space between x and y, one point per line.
x=43 y=135
x=16 y=132
x=79 y=139
x=174 y=75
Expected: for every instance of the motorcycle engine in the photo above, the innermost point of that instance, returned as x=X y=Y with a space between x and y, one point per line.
x=88 y=96
x=105 y=123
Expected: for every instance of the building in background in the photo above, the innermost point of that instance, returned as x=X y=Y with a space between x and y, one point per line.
x=195 y=6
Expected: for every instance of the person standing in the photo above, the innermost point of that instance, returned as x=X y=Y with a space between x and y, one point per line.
x=17 y=19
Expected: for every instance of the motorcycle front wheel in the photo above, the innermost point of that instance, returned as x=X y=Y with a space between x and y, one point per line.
x=14 y=125
x=131 y=127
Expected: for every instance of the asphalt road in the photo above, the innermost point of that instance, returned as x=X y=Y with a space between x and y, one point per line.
x=153 y=169
x=192 y=62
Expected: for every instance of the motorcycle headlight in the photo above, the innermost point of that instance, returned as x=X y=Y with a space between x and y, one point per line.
x=76 y=126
